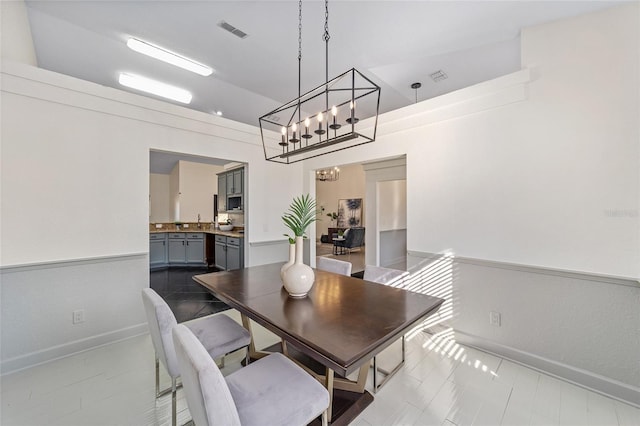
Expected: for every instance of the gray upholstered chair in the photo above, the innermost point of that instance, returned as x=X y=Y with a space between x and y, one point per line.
x=271 y=391
x=334 y=265
x=219 y=334
x=393 y=278
x=353 y=238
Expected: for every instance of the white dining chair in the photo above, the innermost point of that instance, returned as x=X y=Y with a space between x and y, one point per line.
x=333 y=265
x=393 y=278
x=270 y=391
x=219 y=334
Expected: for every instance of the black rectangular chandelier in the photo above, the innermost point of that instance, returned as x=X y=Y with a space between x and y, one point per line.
x=339 y=114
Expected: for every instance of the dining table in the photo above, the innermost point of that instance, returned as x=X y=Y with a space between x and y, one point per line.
x=334 y=332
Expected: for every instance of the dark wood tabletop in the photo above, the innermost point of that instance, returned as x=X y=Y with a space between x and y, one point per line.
x=342 y=323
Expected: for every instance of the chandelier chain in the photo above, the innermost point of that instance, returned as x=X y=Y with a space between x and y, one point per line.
x=326 y=21
x=300 y=29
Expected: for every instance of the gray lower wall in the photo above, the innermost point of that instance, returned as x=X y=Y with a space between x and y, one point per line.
x=581 y=327
x=393 y=247
x=37 y=303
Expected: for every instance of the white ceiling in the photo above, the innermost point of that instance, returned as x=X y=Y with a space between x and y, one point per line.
x=394 y=43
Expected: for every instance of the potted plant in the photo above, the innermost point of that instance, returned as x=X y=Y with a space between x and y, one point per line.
x=333 y=216
x=298 y=277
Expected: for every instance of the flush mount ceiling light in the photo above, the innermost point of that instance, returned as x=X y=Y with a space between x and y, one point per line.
x=324 y=119
x=330 y=175
x=169 y=57
x=155 y=87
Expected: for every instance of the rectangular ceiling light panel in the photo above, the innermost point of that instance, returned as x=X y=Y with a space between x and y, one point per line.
x=168 y=57
x=155 y=87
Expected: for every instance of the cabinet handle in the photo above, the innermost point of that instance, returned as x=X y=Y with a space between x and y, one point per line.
x=163 y=243
x=183 y=243
x=187 y=242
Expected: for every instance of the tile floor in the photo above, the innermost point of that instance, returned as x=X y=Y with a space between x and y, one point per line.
x=442 y=383
x=186 y=298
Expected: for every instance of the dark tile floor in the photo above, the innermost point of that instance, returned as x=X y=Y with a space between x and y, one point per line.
x=186 y=298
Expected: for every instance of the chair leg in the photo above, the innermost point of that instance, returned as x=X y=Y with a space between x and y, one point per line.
x=173 y=402
x=247 y=358
x=375 y=375
x=325 y=422
x=157 y=378
x=222 y=361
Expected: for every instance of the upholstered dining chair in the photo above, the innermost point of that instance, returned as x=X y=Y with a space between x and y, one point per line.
x=334 y=265
x=219 y=334
x=393 y=278
x=270 y=391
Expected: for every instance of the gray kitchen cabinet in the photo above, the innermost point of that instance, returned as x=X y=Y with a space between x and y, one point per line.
x=229 y=253
x=195 y=248
x=234 y=182
x=231 y=190
x=177 y=248
x=158 y=249
x=222 y=192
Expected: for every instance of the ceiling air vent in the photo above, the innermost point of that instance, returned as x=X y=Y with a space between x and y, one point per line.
x=438 y=76
x=233 y=30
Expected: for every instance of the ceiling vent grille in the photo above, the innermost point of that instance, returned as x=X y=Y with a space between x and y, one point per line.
x=233 y=30
x=438 y=76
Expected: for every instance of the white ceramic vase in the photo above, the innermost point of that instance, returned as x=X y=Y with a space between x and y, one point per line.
x=298 y=278
x=292 y=259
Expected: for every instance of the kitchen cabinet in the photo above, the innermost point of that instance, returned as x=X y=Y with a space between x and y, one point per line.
x=222 y=192
x=195 y=248
x=158 y=249
x=234 y=182
x=177 y=248
x=229 y=252
x=231 y=190
x=186 y=248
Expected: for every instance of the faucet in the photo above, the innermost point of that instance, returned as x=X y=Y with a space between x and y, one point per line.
x=199 y=225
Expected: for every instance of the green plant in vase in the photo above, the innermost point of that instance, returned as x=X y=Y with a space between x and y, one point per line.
x=296 y=276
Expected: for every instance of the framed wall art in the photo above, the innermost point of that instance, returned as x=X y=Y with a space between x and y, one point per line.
x=349 y=212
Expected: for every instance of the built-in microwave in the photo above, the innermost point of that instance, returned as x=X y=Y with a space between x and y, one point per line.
x=234 y=202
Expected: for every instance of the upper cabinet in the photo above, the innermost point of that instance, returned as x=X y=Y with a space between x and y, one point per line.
x=231 y=191
x=234 y=182
x=222 y=192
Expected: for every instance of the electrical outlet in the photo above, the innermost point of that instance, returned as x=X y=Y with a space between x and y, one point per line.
x=186 y=225
x=494 y=318
x=78 y=316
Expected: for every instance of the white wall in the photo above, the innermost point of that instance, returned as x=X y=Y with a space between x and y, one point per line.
x=197 y=184
x=350 y=185
x=15 y=33
x=92 y=143
x=538 y=168
x=159 y=200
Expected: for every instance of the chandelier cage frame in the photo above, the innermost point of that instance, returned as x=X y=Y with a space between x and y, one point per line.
x=334 y=116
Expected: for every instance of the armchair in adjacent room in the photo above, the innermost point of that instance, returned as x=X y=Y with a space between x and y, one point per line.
x=352 y=238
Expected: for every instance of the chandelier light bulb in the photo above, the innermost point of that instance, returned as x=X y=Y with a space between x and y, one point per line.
x=334 y=110
x=307 y=122
x=284 y=130
x=294 y=127
x=320 y=117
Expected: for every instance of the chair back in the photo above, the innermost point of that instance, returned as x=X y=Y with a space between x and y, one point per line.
x=161 y=320
x=386 y=276
x=333 y=265
x=354 y=238
x=208 y=396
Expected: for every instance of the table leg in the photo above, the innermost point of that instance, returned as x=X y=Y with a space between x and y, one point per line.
x=253 y=353
x=328 y=383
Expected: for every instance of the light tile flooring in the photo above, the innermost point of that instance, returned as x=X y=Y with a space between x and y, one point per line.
x=442 y=383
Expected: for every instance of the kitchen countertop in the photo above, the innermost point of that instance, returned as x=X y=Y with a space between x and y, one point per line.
x=234 y=233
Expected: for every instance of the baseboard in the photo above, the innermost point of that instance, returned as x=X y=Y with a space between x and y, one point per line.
x=32 y=359
x=594 y=382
